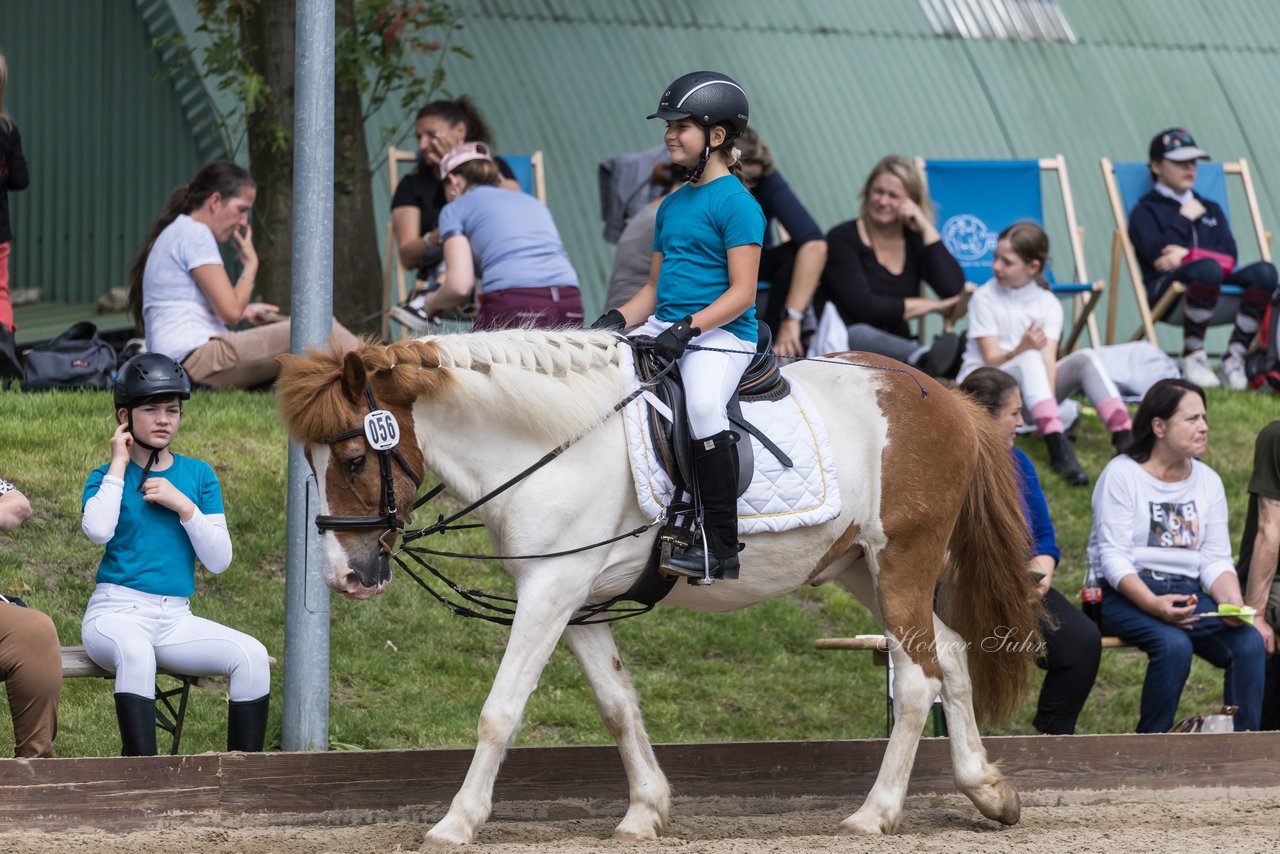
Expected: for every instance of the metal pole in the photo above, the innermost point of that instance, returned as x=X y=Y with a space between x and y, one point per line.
x=306 y=625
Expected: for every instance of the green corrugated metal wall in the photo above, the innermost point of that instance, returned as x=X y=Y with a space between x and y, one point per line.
x=834 y=86
x=106 y=142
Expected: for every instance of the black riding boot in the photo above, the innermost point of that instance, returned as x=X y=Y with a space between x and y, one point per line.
x=137 y=716
x=247 y=724
x=715 y=462
x=1062 y=457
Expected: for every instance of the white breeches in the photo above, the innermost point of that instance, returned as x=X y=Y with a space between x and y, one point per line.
x=1136 y=366
x=709 y=377
x=131 y=633
x=1079 y=370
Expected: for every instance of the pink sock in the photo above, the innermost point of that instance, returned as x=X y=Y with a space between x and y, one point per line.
x=1114 y=415
x=1045 y=416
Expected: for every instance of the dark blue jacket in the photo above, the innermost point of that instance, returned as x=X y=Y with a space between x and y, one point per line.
x=1155 y=223
x=1036 y=508
x=778 y=202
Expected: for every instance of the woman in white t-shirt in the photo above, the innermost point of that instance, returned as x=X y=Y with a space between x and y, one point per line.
x=1162 y=553
x=1015 y=324
x=180 y=294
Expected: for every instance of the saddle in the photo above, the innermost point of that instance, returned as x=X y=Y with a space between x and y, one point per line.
x=762 y=381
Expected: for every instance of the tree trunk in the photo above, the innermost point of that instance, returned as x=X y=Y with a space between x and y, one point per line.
x=357 y=274
x=267 y=34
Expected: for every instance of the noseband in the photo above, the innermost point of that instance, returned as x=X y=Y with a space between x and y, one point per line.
x=382 y=433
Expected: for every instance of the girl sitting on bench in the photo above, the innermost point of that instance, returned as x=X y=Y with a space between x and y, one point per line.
x=157 y=512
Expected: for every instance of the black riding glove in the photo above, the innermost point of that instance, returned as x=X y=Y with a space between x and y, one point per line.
x=672 y=341
x=611 y=321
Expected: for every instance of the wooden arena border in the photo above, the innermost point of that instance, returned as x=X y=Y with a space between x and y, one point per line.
x=122 y=794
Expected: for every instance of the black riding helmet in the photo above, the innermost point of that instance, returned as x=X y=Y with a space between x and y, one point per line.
x=150 y=375
x=709 y=98
x=145 y=376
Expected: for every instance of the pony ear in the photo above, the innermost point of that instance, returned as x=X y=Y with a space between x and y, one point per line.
x=353 y=377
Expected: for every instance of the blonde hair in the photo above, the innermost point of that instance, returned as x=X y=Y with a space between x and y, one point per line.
x=905 y=171
x=5 y=121
x=1029 y=242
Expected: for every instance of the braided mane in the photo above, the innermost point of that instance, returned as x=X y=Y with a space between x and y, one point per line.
x=554 y=384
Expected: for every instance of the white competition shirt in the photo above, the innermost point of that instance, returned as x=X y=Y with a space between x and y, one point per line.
x=175 y=313
x=1006 y=314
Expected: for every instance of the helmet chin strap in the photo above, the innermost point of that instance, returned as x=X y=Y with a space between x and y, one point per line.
x=151 y=460
x=707 y=151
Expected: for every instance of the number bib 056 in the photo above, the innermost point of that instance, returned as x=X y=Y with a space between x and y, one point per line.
x=381 y=430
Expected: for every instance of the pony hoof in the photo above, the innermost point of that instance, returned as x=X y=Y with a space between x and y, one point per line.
x=440 y=837
x=999 y=802
x=866 y=825
x=628 y=834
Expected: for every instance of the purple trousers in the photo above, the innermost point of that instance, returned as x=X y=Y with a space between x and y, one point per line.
x=537 y=308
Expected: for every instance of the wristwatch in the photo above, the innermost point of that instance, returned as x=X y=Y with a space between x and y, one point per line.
x=793 y=313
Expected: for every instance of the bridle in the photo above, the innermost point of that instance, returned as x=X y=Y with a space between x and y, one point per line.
x=381 y=432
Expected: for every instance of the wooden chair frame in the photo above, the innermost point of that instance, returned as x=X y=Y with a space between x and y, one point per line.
x=393 y=272
x=1123 y=253
x=1083 y=303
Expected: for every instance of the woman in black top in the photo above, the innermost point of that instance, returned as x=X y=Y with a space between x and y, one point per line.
x=877 y=263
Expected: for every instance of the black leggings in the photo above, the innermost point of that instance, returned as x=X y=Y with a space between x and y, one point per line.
x=1072 y=653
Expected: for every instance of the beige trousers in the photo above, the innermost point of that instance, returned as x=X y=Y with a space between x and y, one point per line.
x=248 y=358
x=31 y=667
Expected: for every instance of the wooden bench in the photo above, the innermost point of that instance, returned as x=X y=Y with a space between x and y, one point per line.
x=878 y=646
x=171 y=703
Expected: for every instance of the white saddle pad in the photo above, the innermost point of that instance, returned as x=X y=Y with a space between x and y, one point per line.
x=779 y=498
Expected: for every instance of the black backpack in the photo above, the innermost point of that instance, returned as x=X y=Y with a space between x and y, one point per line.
x=77 y=358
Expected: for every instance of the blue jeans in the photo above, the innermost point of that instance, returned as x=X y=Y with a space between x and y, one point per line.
x=1238 y=650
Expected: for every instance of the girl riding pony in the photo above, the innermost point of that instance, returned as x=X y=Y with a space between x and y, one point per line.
x=702 y=286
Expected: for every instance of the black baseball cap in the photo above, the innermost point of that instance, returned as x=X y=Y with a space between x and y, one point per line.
x=1175 y=144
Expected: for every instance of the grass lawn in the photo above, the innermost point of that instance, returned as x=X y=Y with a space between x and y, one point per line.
x=406 y=673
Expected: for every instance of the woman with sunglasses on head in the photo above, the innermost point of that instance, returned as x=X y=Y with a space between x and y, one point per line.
x=503 y=245
x=439 y=127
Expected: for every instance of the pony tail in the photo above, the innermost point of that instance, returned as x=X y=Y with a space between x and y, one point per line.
x=1041 y=280
x=734 y=157
x=178 y=203
x=990 y=597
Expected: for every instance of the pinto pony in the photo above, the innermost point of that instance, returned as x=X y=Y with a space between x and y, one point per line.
x=920 y=471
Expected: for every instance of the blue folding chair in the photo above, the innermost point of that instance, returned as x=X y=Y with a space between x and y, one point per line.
x=977 y=199
x=528 y=172
x=1126 y=184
